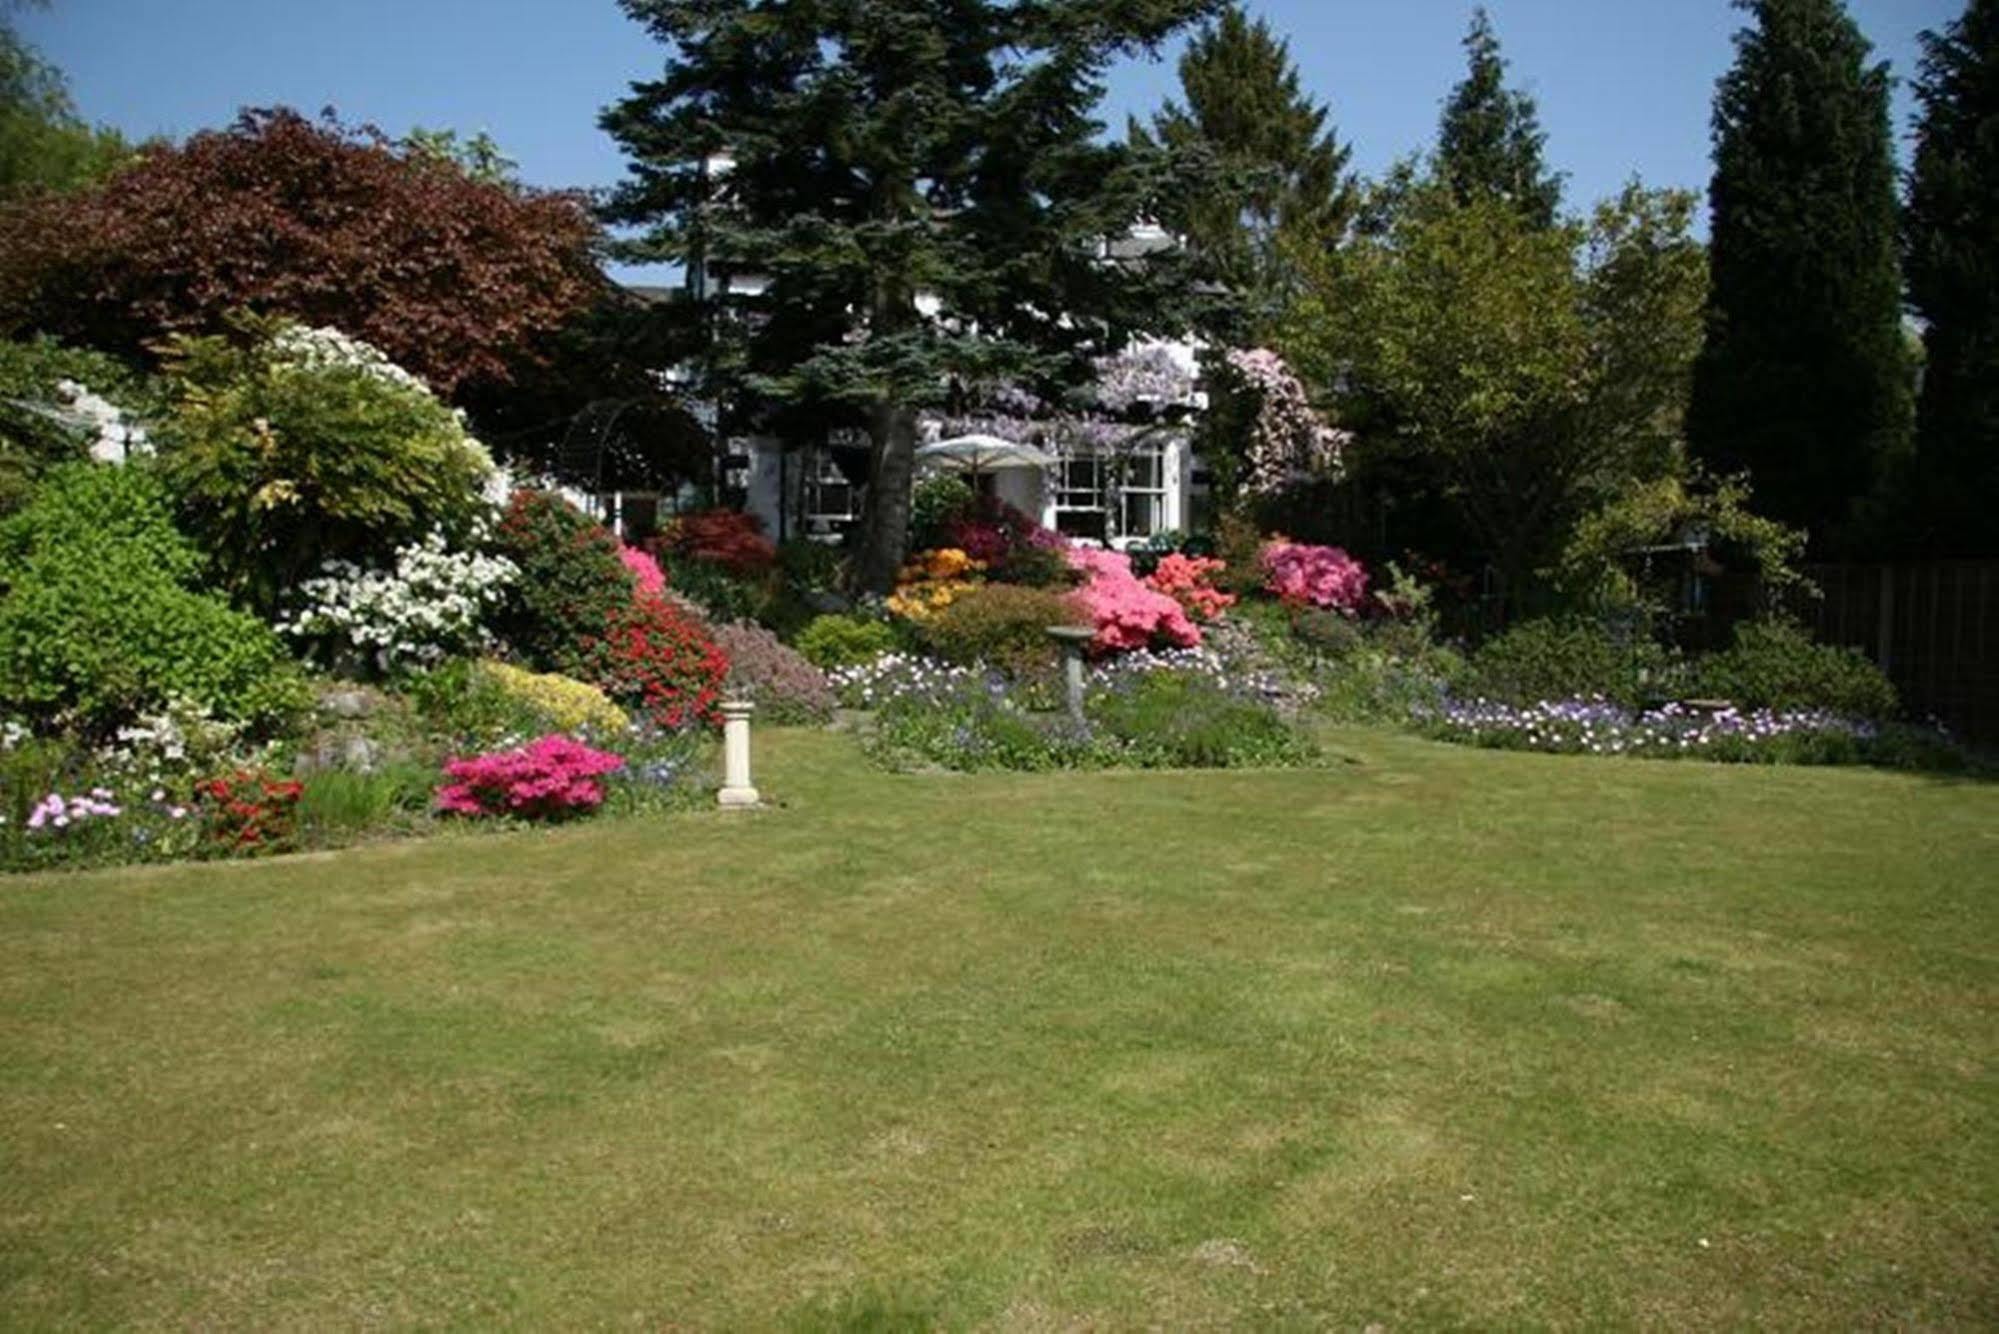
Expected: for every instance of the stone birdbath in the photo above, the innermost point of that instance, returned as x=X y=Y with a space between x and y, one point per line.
x=1071 y=639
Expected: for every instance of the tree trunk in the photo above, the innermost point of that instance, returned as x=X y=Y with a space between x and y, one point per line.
x=885 y=514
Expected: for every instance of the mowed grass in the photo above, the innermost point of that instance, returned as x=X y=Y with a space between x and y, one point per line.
x=1430 y=1037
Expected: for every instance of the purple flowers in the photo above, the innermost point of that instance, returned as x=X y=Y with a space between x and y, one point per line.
x=1599 y=727
x=59 y=812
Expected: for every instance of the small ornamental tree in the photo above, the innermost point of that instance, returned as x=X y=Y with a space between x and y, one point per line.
x=454 y=277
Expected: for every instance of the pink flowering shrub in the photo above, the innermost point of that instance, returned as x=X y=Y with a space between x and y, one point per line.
x=1312 y=576
x=1126 y=613
x=548 y=779
x=1187 y=580
x=645 y=570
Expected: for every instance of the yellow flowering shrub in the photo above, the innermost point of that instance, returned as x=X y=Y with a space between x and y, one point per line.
x=566 y=703
x=932 y=581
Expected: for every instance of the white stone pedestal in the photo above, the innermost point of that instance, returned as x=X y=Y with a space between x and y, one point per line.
x=737 y=790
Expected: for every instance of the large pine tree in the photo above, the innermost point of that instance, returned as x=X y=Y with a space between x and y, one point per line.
x=1951 y=232
x=1805 y=377
x=1489 y=142
x=921 y=185
x=1276 y=169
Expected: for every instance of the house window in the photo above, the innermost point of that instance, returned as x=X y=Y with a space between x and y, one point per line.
x=829 y=502
x=1080 y=502
x=1142 y=493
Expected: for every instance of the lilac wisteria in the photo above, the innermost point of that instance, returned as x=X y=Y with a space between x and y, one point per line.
x=1130 y=392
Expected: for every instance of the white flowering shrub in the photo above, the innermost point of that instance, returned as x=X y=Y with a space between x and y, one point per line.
x=433 y=604
x=113 y=436
x=327 y=348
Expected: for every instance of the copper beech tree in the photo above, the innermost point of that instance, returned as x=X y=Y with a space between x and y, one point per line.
x=456 y=278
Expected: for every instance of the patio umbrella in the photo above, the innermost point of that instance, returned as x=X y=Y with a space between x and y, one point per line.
x=983 y=453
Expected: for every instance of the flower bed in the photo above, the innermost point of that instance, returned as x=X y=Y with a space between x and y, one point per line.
x=1674 y=731
x=1173 y=709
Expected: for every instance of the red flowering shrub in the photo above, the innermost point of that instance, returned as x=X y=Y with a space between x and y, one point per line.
x=547 y=779
x=249 y=811
x=1126 y=613
x=728 y=538
x=1186 y=579
x=655 y=657
x=1313 y=576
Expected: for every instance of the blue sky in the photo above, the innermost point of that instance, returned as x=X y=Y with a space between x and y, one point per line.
x=1624 y=85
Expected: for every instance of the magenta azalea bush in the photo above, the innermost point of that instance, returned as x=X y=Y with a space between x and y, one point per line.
x=548 y=779
x=646 y=573
x=1314 y=576
x=1127 y=614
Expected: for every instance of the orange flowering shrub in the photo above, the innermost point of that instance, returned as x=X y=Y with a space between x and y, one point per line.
x=1188 y=581
x=932 y=581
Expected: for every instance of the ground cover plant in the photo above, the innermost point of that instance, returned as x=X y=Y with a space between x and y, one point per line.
x=1181 y=708
x=1436 y=1037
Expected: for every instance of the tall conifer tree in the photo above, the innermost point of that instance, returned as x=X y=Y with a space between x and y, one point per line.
x=860 y=155
x=1951 y=232
x=1490 y=140
x=1277 y=168
x=1805 y=377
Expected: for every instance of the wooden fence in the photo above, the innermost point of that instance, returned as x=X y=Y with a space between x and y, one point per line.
x=1933 y=627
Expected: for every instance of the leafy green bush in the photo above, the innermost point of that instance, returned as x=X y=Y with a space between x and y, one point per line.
x=284 y=456
x=1002 y=624
x=98 y=620
x=1178 y=720
x=1775 y=665
x=341 y=805
x=721 y=594
x=933 y=503
x=810 y=567
x=571 y=582
x=1560 y=658
x=464 y=706
x=843 y=641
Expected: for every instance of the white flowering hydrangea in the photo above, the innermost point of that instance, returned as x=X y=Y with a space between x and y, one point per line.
x=431 y=605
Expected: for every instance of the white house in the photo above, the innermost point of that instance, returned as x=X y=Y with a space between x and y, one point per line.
x=1118 y=488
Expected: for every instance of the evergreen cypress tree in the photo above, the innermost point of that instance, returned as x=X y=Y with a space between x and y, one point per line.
x=1489 y=142
x=1277 y=169
x=1805 y=379
x=859 y=154
x=1951 y=234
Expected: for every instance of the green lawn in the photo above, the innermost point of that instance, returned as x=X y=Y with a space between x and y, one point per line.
x=1430 y=1037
